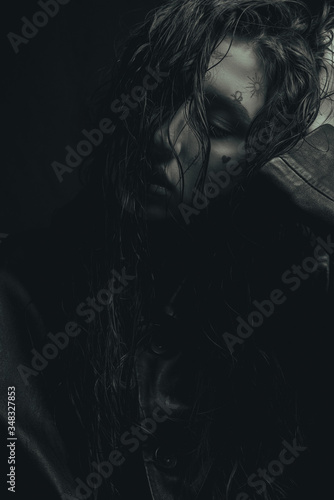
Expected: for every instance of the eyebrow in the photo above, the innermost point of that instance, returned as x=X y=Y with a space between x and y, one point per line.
x=225 y=103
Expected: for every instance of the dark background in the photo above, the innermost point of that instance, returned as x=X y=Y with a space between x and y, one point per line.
x=45 y=99
x=46 y=88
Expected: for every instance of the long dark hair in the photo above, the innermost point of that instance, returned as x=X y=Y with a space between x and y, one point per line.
x=178 y=39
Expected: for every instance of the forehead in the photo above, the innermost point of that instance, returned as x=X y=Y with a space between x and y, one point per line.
x=235 y=71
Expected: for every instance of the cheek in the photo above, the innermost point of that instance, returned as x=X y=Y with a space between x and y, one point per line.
x=191 y=162
x=226 y=159
x=222 y=152
x=226 y=166
x=191 y=176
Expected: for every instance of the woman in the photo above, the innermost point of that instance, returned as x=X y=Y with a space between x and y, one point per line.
x=211 y=271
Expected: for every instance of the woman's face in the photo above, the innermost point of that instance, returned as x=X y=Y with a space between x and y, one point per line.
x=235 y=90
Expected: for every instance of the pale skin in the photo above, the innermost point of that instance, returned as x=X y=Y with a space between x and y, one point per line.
x=235 y=88
x=326 y=112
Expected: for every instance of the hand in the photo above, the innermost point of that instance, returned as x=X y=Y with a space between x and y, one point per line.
x=326 y=111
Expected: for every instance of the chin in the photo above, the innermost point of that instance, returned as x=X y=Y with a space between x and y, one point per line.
x=155 y=212
x=161 y=207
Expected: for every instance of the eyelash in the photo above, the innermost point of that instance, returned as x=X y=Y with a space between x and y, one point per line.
x=217 y=132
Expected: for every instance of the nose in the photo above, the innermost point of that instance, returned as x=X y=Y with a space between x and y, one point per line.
x=167 y=139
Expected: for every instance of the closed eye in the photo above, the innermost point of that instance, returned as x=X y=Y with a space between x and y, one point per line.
x=218 y=132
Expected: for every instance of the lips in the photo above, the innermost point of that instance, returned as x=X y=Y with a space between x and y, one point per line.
x=156 y=190
x=159 y=179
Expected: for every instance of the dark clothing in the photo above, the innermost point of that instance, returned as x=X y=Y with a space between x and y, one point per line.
x=294 y=287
